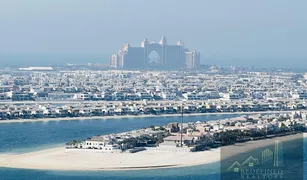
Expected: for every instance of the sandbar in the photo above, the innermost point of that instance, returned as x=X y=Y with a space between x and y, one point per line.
x=61 y=159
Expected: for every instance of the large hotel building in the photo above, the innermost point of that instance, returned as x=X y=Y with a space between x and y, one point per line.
x=155 y=55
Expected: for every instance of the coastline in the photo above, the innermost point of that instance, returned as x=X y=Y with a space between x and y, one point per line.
x=138 y=116
x=61 y=160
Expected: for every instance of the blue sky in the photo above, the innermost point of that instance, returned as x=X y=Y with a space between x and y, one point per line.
x=220 y=29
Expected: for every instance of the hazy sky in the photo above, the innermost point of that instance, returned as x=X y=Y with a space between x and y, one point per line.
x=216 y=28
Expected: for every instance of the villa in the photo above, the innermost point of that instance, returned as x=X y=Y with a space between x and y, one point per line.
x=101 y=145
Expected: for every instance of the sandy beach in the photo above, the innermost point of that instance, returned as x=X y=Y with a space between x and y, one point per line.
x=60 y=159
x=134 y=116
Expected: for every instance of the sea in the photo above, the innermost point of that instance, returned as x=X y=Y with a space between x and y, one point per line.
x=26 y=60
x=32 y=136
x=35 y=59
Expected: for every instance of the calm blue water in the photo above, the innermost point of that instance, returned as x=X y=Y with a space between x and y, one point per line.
x=23 y=137
x=20 y=137
x=27 y=136
x=190 y=173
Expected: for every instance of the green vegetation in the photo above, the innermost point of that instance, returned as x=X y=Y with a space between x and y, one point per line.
x=73 y=143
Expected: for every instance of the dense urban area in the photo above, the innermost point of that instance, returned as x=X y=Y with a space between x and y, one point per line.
x=40 y=92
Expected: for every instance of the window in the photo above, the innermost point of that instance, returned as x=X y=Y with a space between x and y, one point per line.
x=236 y=169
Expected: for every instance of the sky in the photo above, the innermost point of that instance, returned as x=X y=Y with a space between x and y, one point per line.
x=230 y=32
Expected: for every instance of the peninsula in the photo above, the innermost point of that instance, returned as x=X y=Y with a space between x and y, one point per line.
x=174 y=145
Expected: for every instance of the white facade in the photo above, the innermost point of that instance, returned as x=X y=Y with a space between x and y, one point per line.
x=101 y=145
x=82 y=96
x=168 y=96
x=192 y=96
x=231 y=96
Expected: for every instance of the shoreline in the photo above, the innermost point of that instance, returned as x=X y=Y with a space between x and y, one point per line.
x=138 y=116
x=59 y=159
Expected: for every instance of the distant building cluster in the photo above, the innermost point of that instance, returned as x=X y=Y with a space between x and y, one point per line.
x=120 y=85
x=36 y=69
x=156 y=55
x=75 y=93
x=122 y=108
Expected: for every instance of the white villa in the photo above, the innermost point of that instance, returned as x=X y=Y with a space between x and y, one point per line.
x=103 y=146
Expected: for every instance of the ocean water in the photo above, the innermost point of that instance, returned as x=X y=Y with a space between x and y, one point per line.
x=29 y=136
x=202 y=173
x=25 y=60
x=26 y=136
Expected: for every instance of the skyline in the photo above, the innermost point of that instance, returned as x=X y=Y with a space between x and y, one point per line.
x=153 y=54
x=237 y=31
x=23 y=60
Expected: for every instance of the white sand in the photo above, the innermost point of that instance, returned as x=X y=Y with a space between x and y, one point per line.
x=59 y=159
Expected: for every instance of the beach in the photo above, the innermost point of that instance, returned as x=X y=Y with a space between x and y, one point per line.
x=136 y=116
x=61 y=159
